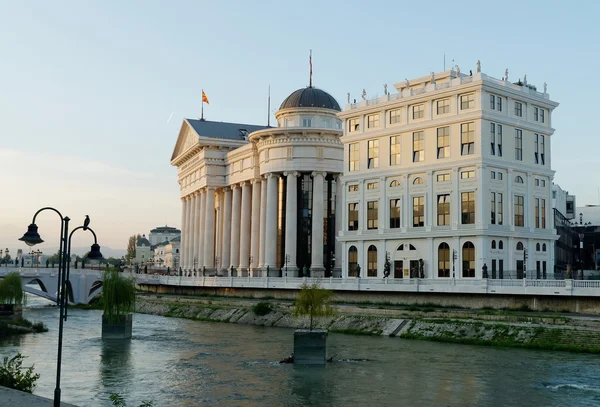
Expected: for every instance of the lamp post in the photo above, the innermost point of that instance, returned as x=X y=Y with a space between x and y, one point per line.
x=287 y=260
x=31 y=238
x=524 y=263
x=250 y=260
x=6 y=257
x=453 y=261
x=581 y=235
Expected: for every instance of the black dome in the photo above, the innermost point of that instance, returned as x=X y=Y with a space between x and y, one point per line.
x=310 y=97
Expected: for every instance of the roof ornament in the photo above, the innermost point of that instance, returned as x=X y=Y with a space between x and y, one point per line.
x=364 y=94
x=432 y=78
x=457 y=71
x=385 y=92
x=506 y=74
x=525 y=80
x=545 y=87
x=310 y=65
x=406 y=82
x=478 y=66
x=348 y=95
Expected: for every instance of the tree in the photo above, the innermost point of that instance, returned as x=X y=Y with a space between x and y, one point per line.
x=11 y=289
x=54 y=258
x=118 y=295
x=313 y=301
x=131 y=247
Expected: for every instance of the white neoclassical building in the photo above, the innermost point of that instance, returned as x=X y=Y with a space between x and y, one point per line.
x=261 y=200
x=451 y=173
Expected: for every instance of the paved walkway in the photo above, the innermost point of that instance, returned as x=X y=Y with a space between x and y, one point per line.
x=15 y=398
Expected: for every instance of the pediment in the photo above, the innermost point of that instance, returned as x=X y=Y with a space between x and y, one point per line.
x=186 y=139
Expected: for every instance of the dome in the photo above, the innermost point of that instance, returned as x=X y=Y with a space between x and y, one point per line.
x=142 y=241
x=310 y=97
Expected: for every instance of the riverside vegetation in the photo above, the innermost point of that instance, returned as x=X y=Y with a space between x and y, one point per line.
x=11 y=293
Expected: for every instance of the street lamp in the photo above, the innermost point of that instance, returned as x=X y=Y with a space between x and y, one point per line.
x=581 y=236
x=524 y=263
x=454 y=255
x=287 y=260
x=31 y=238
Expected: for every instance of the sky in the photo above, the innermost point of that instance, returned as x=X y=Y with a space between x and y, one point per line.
x=93 y=93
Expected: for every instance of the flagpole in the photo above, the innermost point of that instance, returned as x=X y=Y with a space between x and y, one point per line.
x=202 y=108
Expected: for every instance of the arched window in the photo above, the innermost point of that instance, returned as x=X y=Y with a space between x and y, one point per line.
x=544 y=247
x=394 y=184
x=537 y=247
x=468 y=260
x=493 y=244
x=417 y=181
x=411 y=247
x=352 y=261
x=372 y=261
x=176 y=250
x=444 y=260
x=519 y=246
x=401 y=247
x=500 y=245
x=518 y=179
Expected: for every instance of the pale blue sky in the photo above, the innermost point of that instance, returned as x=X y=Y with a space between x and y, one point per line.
x=87 y=87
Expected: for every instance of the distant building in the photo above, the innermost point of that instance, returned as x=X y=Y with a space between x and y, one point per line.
x=143 y=251
x=563 y=202
x=163 y=233
x=587 y=245
x=172 y=253
x=563 y=206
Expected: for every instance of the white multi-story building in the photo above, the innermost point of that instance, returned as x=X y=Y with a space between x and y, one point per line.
x=451 y=173
x=563 y=202
x=163 y=233
x=250 y=193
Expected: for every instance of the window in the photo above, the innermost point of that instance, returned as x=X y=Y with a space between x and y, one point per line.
x=493 y=175
x=467 y=136
x=395 y=150
x=372 y=261
x=372 y=209
x=372 y=121
x=394 y=213
x=353 y=157
x=499 y=103
x=418 y=147
x=544 y=247
x=518 y=179
x=353 y=216
x=443 y=177
x=493 y=244
x=496 y=208
x=519 y=210
x=518 y=145
x=443 y=106
x=468 y=260
x=499 y=176
x=519 y=246
x=352 y=261
x=443 y=142
x=536 y=155
x=467 y=101
x=353 y=125
x=542 y=113
x=418 y=211
x=395 y=116
x=394 y=184
x=418 y=112
x=537 y=247
x=444 y=260
x=540 y=213
x=373 y=154
x=467 y=174
x=542 y=149
x=306 y=122
x=493 y=138
x=353 y=188
x=468 y=208
x=535 y=113
x=518 y=109
x=418 y=181
x=492 y=102
x=499 y=139
x=443 y=209
x=373 y=185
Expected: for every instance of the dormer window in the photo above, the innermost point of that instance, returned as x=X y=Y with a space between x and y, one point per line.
x=306 y=122
x=244 y=133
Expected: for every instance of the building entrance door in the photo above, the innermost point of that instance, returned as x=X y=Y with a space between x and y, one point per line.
x=398 y=269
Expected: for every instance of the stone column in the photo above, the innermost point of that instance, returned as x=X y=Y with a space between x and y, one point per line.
x=271 y=225
x=316 y=268
x=183 y=228
x=196 y=202
x=209 y=231
x=235 y=227
x=201 y=222
x=255 y=227
x=245 y=223
x=263 y=225
x=188 y=234
x=291 y=223
x=226 y=243
x=219 y=198
x=339 y=225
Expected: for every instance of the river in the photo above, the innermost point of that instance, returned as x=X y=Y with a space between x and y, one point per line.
x=178 y=362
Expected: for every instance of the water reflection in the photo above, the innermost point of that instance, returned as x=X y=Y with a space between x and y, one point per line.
x=115 y=363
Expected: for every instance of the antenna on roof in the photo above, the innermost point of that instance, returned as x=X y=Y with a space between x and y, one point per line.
x=310 y=64
x=269 y=108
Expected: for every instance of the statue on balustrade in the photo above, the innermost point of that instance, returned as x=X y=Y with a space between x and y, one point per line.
x=358 y=270
x=484 y=271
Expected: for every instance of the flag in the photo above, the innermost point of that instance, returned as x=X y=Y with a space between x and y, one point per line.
x=204 y=98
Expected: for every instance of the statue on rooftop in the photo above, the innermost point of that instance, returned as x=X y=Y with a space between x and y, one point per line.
x=478 y=66
x=525 y=80
x=545 y=87
x=457 y=70
x=348 y=95
x=385 y=89
x=406 y=82
x=506 y=74
x=432 y=78
x=364 y=94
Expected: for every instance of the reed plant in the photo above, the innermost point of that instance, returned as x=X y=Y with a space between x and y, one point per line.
x=118 y=295
x=11 y=289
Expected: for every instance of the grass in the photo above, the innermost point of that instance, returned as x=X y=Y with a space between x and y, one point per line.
x=7 y=327
x=353 y=331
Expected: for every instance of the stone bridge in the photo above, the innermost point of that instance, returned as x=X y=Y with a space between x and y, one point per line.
x=82 y=286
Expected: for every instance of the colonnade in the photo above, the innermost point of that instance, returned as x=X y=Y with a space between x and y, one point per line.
x=234 y=228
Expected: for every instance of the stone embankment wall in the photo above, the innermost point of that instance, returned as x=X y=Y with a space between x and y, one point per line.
x=585 y=305
x=529 y=331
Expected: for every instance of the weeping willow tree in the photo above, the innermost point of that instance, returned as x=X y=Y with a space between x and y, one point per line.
x=118 y=295
x=313 y=301
x=11 y=289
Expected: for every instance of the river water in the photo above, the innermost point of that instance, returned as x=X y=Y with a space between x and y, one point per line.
x=177 y=362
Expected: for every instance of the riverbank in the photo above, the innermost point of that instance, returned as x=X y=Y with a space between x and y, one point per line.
x=486 y=327
x=16 y=398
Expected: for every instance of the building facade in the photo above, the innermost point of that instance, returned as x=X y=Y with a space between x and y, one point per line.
x=163 y=233
x=259 y=200
x=449 y=177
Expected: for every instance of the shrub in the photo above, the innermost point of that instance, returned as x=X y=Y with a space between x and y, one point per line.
x=14 y=376
x=118 y=295
x=313 y=301
x=11 y=289
x=119 y=401
x=262 y=308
